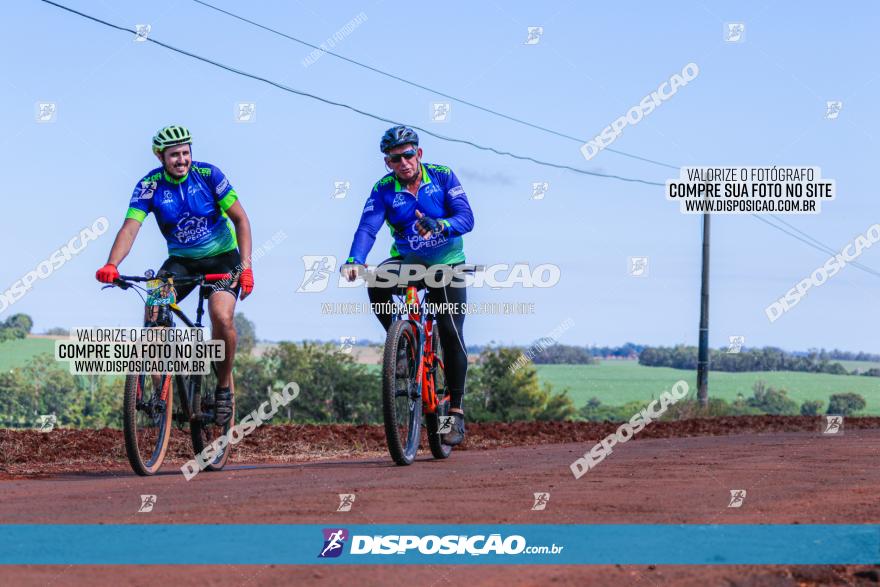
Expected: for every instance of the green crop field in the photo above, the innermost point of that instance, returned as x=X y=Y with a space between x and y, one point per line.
x=860 y=365
x=619 y=382
x=15 y=353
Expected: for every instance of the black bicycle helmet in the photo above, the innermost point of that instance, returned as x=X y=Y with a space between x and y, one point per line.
x=396 y=136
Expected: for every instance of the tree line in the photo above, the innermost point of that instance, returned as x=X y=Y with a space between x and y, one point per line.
x=753 y=359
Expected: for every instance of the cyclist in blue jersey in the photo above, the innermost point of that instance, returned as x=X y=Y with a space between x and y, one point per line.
x=207 y=231
x=427 y=211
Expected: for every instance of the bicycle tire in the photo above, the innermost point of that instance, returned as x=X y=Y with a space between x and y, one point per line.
x=136 y=436
x=203 y=432
x=432 y=421
x=401 y=335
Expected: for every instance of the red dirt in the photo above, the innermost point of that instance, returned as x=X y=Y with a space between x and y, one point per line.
x=29 y=453
x=672 y=473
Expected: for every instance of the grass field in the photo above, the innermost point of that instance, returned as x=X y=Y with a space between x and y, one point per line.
x=618 y=382
x=15 y=353
x=860 y=365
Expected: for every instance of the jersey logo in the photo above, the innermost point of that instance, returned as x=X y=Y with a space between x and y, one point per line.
x=167 y=197
x=222 y=186
x=399 y=200
x=191 y=228
x=456 y=192
x=369 y=205
x=416 y=242
x=193 y=189
x=148 y=188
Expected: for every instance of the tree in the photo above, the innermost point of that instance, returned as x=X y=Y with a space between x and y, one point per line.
x=498 y=393
x=771 y=401
x=247 y=334
x=845 y=404
x=333 y=387
x=20 y=321
x=811 y=407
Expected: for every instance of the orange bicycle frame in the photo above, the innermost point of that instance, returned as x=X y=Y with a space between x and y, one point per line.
x=429 y=393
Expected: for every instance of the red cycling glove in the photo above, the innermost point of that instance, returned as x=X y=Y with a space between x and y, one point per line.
x=107 y=274
x=246 y=280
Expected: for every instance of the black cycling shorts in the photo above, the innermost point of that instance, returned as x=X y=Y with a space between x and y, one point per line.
x=229 y=262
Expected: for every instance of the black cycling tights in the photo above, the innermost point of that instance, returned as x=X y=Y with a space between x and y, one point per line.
x=451 y=329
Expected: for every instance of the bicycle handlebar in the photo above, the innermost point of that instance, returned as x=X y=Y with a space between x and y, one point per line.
x=184 y=279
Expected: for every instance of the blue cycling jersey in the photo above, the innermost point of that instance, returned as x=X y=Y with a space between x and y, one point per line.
x=439 y=196
x=191 y=211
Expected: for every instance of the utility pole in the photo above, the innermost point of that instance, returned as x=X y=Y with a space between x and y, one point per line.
x=703 y=355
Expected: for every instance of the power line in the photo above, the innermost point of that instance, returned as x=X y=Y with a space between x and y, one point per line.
x=426 y=88
x=352 y=108
x=825 y=247
x=814 y=243
x=811 y=242
x=821 y=246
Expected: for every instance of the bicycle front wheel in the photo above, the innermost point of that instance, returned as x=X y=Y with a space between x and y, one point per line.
x=147 y=415
x=401 y=392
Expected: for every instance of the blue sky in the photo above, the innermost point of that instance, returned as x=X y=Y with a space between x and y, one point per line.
x=759 y=102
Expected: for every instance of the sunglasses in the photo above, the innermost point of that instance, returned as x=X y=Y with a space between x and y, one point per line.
x=396 y=158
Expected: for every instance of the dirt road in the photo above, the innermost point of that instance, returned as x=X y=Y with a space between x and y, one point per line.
x=799 y=477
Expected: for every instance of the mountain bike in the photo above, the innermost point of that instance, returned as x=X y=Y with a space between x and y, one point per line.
x=412 y=368
x=148 y=403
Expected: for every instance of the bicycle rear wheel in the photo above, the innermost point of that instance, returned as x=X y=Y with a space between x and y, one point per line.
x=203 y=430
x=433 y=421
x=401 y=392
x=147 y=415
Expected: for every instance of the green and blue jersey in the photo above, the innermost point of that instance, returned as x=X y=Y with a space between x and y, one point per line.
x=439 y=196
x=190 y=212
